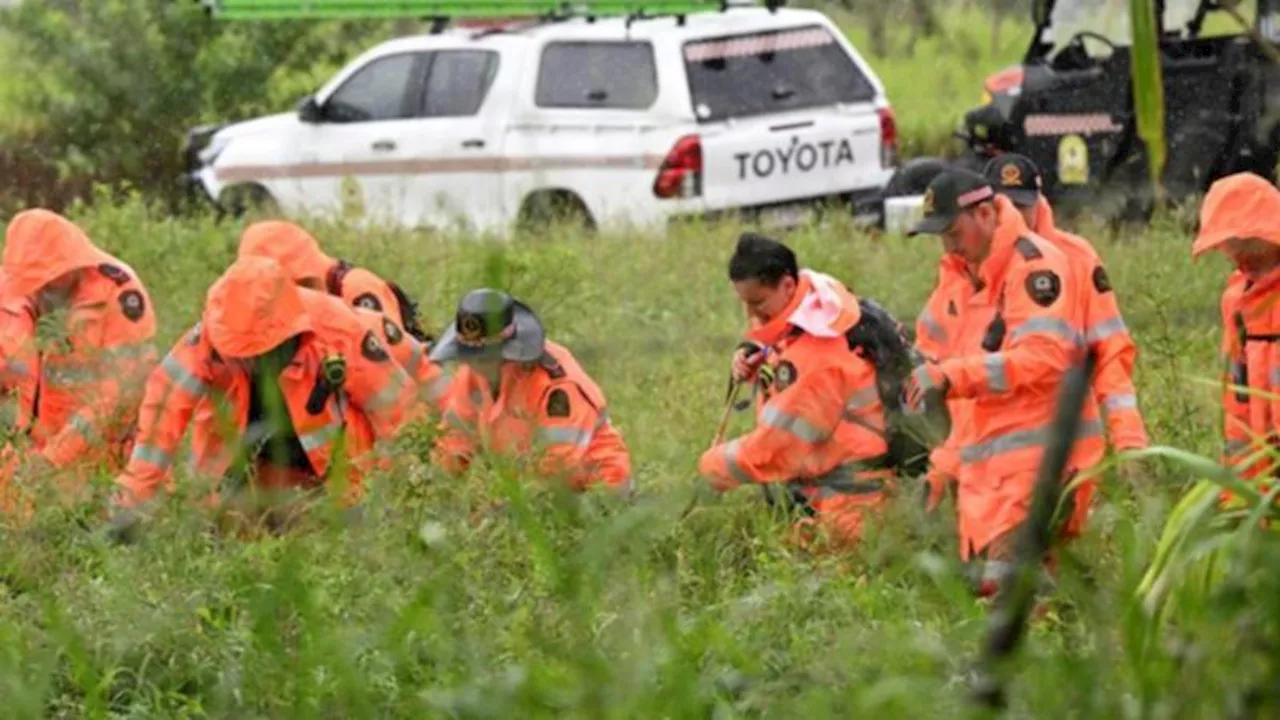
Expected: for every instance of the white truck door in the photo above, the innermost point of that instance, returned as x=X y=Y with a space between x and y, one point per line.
x=454 y=148
x=353 y=158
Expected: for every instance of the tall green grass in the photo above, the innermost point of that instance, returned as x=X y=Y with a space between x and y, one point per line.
x=560 y=606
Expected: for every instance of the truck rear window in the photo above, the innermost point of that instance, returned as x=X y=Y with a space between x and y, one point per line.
x=770 y=72
x=618 y=75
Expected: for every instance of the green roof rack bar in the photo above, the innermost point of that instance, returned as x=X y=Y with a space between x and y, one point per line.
x=391 y=9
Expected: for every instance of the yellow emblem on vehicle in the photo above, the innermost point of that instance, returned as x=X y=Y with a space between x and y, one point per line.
x=1073 y=161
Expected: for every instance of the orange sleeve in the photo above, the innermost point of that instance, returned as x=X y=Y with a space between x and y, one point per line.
x=791 y=424
x=1113 y=385
x=115 y=354
x=172 y=392
x=931 y=334
x=1041 y=338
x=456 y=443
x=379 y=386
x=567 y=424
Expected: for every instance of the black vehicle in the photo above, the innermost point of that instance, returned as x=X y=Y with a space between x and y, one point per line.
x=1069 y=107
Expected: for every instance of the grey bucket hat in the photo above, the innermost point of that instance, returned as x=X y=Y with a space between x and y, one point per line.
x=490 y=323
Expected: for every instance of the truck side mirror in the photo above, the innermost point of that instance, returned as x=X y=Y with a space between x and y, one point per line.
x=1040 y=12
x=309 y=110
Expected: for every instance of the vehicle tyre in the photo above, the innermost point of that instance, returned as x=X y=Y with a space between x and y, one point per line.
x=554 y=208
x=248 y=200
x=914 y=176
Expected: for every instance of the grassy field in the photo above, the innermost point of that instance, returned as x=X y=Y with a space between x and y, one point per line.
x=568 y=608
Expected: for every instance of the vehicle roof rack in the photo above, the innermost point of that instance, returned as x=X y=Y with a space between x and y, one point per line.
x=462 y=9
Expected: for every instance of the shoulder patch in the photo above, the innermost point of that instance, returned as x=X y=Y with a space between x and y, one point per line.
x=372 y=349
x=1101 y=282
x=133 y=305
x=114 y=273
x=392 y=331
x=1044 y=287
x=1027 y=249
x=558 y=404
x=368 y=301
x=784 y=376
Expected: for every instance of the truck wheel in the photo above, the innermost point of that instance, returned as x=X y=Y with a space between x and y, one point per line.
x=241 y=200
x=551 y=208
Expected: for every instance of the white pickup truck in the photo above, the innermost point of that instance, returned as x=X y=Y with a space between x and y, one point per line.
x=625 y=122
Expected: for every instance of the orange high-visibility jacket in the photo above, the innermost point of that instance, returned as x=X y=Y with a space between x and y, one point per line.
x=1246 y=206
x=1105 y=332
x=821 y=425
x=1251 y=346
x=78 y=392
x=552 y=404
x=372 y=402
x=1017 y=335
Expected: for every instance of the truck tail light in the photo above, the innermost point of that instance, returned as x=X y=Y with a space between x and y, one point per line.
x=888 y=138
x=680 y=175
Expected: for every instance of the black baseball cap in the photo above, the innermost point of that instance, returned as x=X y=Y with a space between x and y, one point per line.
x=1016 y=177
x=952 y=192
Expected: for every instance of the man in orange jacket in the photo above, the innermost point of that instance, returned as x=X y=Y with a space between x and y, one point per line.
x=300 y=256
x=297 y=370
x=300 y=253
x=1018 y=178
x=820 y=425
x=515 y=390
x=77 y=390
x=1018 y=329
x=1240 y=217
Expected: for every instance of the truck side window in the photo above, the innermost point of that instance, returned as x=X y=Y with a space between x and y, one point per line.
x=620 y=75
x=458 y=82
x=377 y=91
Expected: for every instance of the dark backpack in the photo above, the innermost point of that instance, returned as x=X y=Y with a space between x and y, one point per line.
x=881 y=339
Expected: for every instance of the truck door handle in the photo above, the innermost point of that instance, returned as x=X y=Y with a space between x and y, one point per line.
x=473 y=143
x=384 y=145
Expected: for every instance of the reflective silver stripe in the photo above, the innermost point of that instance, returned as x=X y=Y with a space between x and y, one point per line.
x=387 y=396
x=318 y=438
x=1021 y=440
x=70 y=373
x=861 y=400
x=182 y=378
x=844 y=480
x=415 y=359
x=439 y=387
x=1275 y=376
x=17 y=367
x=1056 y=327
x=731 y=461
x=997 y=379
x=923 y=379
x=82 y=426
x=566 y=436
x=152 y=455
x=798 y=426
x=1126 y=401
x=932 y=327
x=1234 y=447
x=1105 y=329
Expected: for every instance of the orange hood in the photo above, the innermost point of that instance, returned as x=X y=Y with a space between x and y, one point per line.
x=291 y=246
x=41 y=246
x=1242 y=205
x=253 y=308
